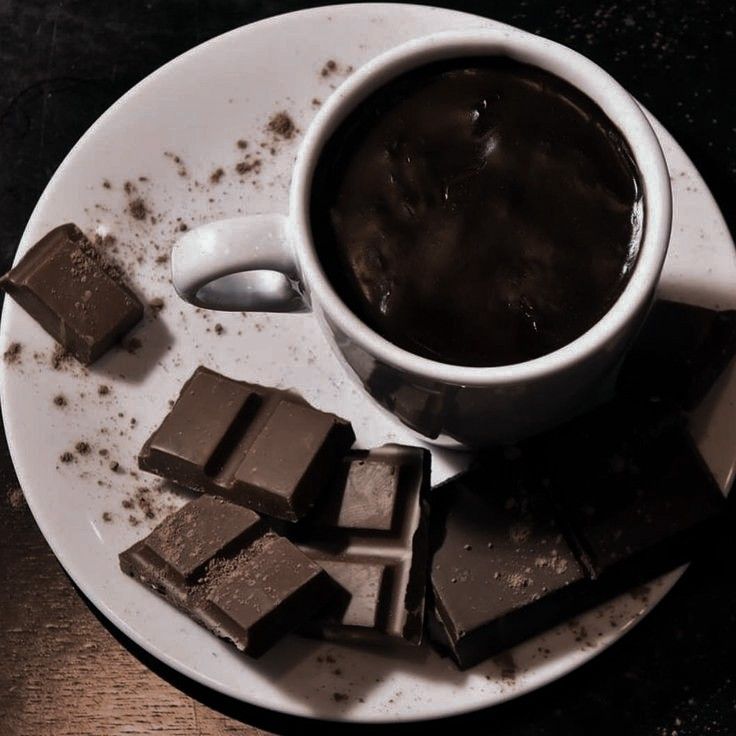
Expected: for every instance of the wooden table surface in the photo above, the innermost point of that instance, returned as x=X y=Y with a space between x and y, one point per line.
x=64 y=670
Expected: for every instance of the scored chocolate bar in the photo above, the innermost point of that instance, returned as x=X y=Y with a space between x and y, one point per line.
x=82 y=301
x=370 y=535
x=631 y=487
x=220 y=563
x=257 y=446
x=680 y=353
x=599 y=505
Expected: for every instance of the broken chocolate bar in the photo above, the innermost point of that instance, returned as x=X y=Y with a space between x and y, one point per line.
x=219 y=563
x=679 y=354
x=370 y=535
x=501 y=570
x=601 y=504
x=632 y=488
x=256 y=446
x=82 y=301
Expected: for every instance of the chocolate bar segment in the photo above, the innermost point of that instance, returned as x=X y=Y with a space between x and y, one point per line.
x=219 y=563
x=565 y=521
x=82 y=301
x=256 y=446
x=679 y=354
x=632 y=488
x=501 y=569
x=370 y=534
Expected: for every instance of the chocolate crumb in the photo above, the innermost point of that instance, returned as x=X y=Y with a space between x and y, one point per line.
x=106 y=184
x=183 y=227
x=66 y=457
x=282 y=125
x=133 y=521
x=329 y=67
x=106 y=516
x=330 y=659
x=12 y=355
x=181 y=168
x=242 y=144
x=60 y=400
x=137 y=208
x=82 y=448
x=15 y=497
x=316 y=102
x=133 y=345
x=60 y=358
x=156 y=304
x=339 y=697
x=103 y=452
x=127 y=503
x=243 y=167
x=115 y=466
x=103 y=389
x=129 y=187
x=219 y=329
x=163 y=258
x=217 y=174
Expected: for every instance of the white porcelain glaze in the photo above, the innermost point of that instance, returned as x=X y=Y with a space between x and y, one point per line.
x=198 y=106
x=443 y=403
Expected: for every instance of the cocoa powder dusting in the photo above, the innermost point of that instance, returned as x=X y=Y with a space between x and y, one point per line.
x=244 y=167
x=12 y=355
x=282 y=125
x=15 y=498
x=138 y=209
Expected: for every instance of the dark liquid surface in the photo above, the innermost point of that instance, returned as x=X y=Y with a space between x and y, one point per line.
x=478 y=212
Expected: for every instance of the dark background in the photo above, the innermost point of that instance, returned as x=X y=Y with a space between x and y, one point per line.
x=62 y=670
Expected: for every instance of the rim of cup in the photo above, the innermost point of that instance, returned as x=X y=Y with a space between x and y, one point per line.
x=560 y=60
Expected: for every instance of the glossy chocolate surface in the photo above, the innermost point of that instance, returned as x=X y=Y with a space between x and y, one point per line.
x=478 y=212
x=79 y=298
x=257 y=446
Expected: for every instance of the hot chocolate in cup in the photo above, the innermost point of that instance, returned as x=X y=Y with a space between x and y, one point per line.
x=481 y=270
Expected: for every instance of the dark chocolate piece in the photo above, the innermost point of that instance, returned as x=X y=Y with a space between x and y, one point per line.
x=256 y=446
x=679 y=354
x=370 y=535
x=501 y=570
x=597 y=506
x=632 y=488
x=219 y=563
x=64 y=283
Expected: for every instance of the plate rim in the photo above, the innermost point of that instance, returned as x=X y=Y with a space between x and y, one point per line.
x=450 y=709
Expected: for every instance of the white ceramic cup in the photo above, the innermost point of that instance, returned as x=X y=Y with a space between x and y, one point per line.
x=270 y=263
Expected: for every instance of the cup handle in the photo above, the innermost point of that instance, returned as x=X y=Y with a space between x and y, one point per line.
x=245 y=264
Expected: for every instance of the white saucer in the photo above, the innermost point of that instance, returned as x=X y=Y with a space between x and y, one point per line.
x=197 y=107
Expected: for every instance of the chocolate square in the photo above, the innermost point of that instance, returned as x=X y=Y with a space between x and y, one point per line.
x=81 y=300
x=501 y=568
